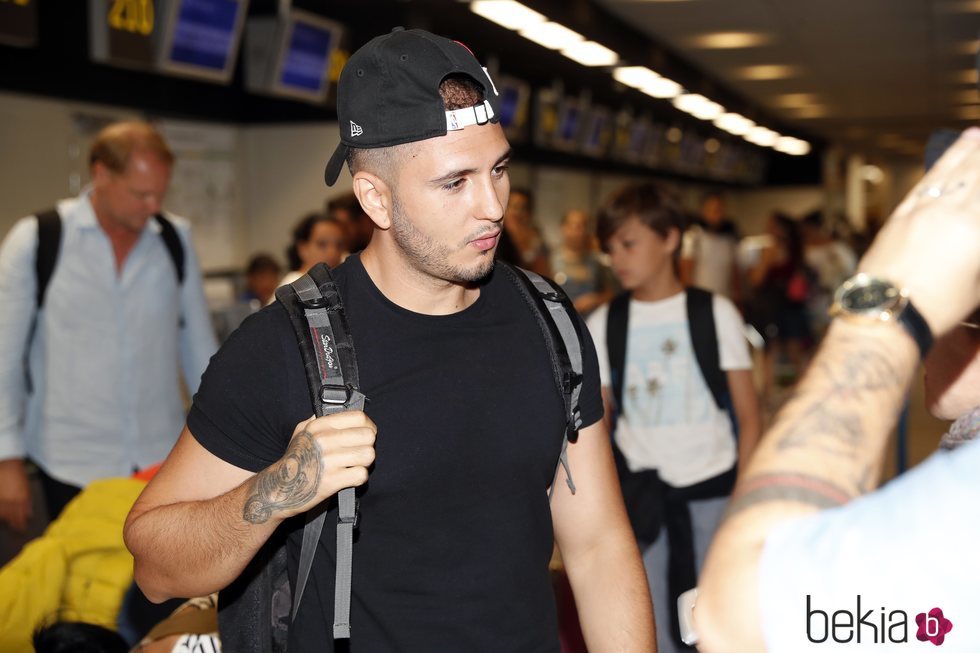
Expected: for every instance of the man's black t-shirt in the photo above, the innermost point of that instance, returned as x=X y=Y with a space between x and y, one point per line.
x=455 y=534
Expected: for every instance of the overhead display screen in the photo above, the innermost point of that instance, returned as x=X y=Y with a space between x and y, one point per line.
x=201 y=37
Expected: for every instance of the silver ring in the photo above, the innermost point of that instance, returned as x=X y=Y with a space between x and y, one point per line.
x=937 y=190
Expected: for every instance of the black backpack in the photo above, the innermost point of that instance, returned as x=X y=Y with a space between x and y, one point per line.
x=49 y=244
x=255 y=611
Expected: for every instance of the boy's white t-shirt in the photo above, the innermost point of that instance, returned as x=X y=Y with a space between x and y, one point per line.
x=670 y=421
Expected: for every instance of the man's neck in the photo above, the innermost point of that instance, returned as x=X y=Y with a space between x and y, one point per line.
x=412 y=289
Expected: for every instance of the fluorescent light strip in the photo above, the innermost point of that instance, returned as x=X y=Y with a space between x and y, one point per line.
x=507 y=13
x=734 y=123
x=551 y=35
x=635 y=76
x=590 y=53
x=698 y=106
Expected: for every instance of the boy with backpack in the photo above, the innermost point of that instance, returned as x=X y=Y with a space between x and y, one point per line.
x=677 y=379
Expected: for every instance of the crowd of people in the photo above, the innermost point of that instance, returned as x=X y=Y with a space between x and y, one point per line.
x=457 y=448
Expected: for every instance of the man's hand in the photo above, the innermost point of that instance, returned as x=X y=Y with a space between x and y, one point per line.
x=325 y=455
x=929 y=244
x=15 y=494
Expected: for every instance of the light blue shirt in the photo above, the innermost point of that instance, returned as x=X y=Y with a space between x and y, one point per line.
x=104 y=358
x=904 y=550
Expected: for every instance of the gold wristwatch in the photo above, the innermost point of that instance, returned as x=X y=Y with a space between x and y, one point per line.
x=871 y=299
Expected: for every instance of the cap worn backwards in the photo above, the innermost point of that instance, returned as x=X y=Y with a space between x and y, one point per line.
x=388 y=93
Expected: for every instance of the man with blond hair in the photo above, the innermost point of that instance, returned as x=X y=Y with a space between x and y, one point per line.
x=99 y=395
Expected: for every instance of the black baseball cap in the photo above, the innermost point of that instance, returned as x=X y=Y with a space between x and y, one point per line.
x=388 y=93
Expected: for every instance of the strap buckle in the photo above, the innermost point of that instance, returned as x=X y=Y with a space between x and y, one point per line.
x=573 y=425
x=336 y=395
x=354 y=519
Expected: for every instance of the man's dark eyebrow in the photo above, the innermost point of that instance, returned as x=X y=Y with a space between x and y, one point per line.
x=456 y=174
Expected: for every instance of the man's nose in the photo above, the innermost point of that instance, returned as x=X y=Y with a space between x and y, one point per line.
x=489 y=206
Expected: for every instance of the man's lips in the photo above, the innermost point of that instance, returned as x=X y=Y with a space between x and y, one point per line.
x=486 y=241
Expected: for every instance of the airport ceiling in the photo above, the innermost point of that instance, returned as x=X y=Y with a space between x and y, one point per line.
x=876 y=75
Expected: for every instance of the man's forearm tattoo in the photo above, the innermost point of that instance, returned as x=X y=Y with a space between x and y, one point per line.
x=787 y=486
x=830 y=417
x=291 y=482
x=846 y=400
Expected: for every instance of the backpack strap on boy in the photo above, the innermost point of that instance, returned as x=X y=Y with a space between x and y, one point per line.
x=704 y=338
x=562 y=331
x=316 y=313
x=49 y=245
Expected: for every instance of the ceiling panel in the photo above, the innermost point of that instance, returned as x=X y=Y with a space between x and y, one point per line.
x=867 y=68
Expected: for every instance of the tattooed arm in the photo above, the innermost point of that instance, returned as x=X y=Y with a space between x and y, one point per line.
x=201 y=520
x=826 y=446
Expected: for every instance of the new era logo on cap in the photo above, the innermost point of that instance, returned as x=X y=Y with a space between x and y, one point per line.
x=355 y=129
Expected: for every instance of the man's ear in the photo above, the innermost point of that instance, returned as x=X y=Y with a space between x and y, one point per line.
x=375 y=197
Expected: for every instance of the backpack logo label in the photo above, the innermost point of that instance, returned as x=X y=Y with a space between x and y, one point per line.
x=328 y=351
x=355 y=129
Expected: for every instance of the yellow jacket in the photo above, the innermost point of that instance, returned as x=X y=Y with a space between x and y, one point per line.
x=80 y=566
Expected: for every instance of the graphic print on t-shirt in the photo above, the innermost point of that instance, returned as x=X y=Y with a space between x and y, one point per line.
x=663 y=385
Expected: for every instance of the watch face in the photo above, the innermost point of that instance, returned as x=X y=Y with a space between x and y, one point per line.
x=874 y=294
x=869 y=297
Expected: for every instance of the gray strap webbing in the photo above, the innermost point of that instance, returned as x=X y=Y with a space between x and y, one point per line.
x=566 y=329
x=336 y=396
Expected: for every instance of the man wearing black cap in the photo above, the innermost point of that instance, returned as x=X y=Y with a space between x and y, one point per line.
x=463 y=424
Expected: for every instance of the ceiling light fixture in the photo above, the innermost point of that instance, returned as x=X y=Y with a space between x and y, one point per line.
x=762 y=136
x=551 y=35
x=734 y=123
x=731 y=40
x=791 y=145
x=767 y=72
x=590 y=53
x=698 y=106
x=507 y=13
x=647 y=81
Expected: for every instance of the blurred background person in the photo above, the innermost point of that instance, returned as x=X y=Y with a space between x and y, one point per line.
x=317 y=238
x=830 y=260
x=262 y=276
x=521 y=243
x=778 y=308
x=708 y=251
x=102 y=393
x=577 y=265
x=347 y=209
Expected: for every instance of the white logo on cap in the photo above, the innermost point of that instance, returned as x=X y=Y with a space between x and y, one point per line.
x=355 y=129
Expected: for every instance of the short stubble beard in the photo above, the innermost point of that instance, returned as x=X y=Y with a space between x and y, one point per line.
x=432 y=258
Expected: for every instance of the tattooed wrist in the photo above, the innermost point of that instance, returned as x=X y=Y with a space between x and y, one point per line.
x=787 y=486
x=288 y=484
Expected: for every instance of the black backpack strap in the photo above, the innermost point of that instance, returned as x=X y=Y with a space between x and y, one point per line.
x=174 y=247
x=617 y=325
x=562 y=331
x=48 y=245
x=704 y=338
x=316 y=313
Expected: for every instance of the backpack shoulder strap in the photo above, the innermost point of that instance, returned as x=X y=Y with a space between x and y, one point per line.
x=174 y=247
x=562 y=331
x=48 y=245
x=617 y=326
x=704 y=338
x=316 y=313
